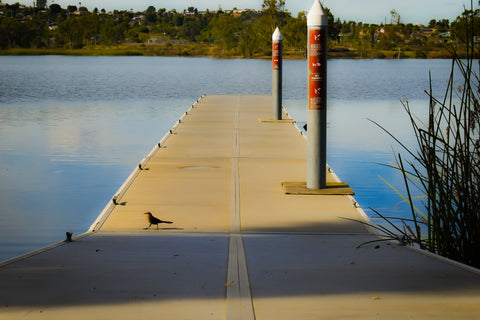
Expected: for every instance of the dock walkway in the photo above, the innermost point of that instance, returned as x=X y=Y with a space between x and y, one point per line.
x=239 y=247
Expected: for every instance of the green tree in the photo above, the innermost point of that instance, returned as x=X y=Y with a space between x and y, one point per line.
x=90 y=24
x=263 y=29
x=390 y=39
x=295 y=33
x=12 y=10
x=71 y=8
x=55 y=9
x=151 y=14
x=41 y=4
x=10 y=28
x=224 y=30
x=178 y=20
x=274 y=14
x=76 y=32
x=190 y=30
x=110 y=33
x=192 y=10
x=333 y=26
x=247 y=41
x=70 y=33
x=465 y=24
x=441 y=25
x=273 y=7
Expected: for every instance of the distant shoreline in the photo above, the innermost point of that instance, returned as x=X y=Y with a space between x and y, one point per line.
x=201 y=50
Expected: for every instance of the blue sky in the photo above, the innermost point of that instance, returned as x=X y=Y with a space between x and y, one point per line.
x=370 y=11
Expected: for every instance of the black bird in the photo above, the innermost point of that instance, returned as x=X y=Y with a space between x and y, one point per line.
x=152 y=220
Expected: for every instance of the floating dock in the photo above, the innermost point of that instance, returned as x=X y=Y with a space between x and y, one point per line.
x=240 y=247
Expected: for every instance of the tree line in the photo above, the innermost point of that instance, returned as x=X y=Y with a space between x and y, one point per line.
x=75 y=28
x=246 y=33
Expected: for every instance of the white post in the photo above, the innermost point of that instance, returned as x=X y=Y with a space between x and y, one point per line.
x=317 y=23
x=277 y=48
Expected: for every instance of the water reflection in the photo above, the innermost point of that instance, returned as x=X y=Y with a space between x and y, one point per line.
x=61 y=163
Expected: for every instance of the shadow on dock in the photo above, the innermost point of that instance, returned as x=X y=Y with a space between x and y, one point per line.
x=187 y=266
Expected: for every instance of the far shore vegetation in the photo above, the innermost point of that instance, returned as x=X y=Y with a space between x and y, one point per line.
x=45 y=29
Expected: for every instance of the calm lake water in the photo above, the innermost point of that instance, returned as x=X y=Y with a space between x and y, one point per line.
x=73 y=128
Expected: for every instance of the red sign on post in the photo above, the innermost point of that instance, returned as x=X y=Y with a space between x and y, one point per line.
x=317 y=67
x=276 y=56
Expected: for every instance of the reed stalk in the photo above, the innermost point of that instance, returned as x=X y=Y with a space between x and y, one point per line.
x=445 y=165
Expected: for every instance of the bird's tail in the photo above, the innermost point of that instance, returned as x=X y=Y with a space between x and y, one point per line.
x=163 y=221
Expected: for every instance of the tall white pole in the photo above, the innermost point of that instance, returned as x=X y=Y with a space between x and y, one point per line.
x=317 y=23
x=277 y=48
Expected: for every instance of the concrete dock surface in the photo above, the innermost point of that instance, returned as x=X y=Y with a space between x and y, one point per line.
x=238 y=247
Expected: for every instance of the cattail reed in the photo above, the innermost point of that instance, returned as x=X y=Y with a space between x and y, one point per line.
x=445 y=165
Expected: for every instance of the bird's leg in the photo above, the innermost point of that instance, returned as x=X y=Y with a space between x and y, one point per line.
x=157 y=226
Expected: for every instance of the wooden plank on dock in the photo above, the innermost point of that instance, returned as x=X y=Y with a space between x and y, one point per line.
x=332 y=188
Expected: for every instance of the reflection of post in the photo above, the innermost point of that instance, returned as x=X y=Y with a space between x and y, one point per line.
x=277 y=40
x=317 y=23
